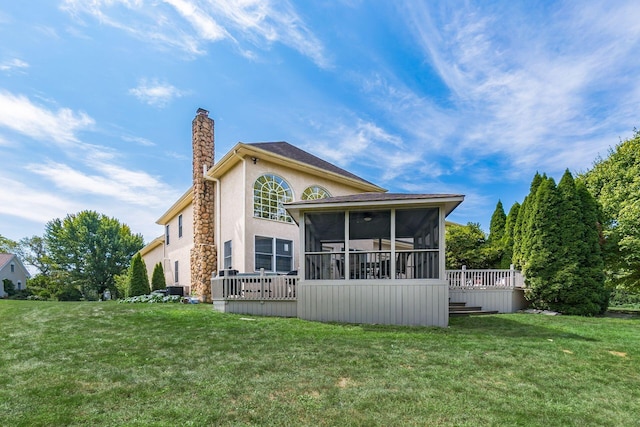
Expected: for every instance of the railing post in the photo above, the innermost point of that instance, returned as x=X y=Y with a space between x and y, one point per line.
x=464 y=276
x=512 y=276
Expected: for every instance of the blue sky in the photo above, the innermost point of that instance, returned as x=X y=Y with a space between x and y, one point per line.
x=97 y=97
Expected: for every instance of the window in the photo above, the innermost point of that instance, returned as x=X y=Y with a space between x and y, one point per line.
x=13 y=268
x=166 y=234
x=227 y=254
x=180 y=225
x=273 y=254
x=175 y=272
x=270 y=193
x=315 y=192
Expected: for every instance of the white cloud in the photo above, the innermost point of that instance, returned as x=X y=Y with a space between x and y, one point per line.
x=533 y=94
x=107 y=180
x=13 y=64
x=190 y=24
x=139 y=140
x=33 y=204
x=19 y=114
x=155 y=92
x=206 y=27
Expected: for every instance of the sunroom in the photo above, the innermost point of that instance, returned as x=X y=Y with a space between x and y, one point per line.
x=374 y=258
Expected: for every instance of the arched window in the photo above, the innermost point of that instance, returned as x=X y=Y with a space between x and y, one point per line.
x=315 y=192
x=270 y=193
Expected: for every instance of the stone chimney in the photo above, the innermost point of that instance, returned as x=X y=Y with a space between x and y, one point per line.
x=204 y=258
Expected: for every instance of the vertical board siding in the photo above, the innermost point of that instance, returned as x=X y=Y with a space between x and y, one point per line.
x=384 y=302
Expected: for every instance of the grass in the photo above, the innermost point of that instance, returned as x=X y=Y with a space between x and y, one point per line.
x=108 y=364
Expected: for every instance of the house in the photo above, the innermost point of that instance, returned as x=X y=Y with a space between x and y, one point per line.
x=234 y=216
x=11 y=268
x=270 y=229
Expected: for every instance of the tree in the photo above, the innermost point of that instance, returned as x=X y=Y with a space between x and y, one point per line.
x=498 y=223
x=561 y=257
x=465 y=246
x=33 y=251
x=158 y=280
x=541 y=250
x=91 y=249
x=7 y=245
x=138 y=278
x=523 y=223
x=508 y=237
x=615 y=183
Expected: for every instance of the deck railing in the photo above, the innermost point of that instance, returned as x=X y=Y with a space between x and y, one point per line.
x=485 y=279
x=254 y=287
x=284 y=288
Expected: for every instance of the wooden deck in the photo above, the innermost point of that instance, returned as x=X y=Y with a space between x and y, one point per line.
x=384 y=301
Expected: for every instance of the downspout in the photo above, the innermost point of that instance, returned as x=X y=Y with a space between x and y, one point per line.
x=217 y=236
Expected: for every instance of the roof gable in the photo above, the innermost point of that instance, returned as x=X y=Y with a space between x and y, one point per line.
x=292 y=152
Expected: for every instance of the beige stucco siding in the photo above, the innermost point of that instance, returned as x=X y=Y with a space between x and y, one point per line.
x=232 y=214
x=152 y=256
x=298 y=182
x=179 y=249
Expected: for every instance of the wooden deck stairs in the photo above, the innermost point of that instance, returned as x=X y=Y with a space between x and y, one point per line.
x=457 y=309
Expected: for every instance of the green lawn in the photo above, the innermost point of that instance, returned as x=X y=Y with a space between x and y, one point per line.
x=90 y=364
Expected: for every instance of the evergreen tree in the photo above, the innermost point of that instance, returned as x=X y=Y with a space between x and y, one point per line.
x=562 y=258
x=542 y=248
x=138 y=279
x=498 y=223
x=158 y=280
x=592 y=257
x=523 y=224
x=508 y=237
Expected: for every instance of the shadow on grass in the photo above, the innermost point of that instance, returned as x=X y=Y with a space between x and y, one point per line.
x=496 y=326
x=501 y=326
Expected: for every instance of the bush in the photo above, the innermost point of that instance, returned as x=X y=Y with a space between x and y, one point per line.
x=21 y=294
x=622 y=298
x=152 y=298
x=68 y=293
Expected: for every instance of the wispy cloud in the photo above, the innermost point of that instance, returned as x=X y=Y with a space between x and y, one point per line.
x=138 y=140
x=190 y=24
x=13 y=64
x=535 y=99
x=109 y=180
x=155 y=92
x=21 y=115
x=37 y=205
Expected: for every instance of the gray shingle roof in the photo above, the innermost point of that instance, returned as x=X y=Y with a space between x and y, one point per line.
x=378 y=197
x=287 y=150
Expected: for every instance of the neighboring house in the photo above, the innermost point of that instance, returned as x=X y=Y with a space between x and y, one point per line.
x=238 y=221
x=11 y=268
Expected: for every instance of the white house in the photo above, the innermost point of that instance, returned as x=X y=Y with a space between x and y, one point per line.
x=11 y=268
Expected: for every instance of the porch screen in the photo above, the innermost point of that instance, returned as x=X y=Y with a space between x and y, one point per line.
x=324 y=245
x=417 y=243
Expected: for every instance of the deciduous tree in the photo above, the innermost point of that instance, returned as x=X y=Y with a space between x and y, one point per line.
x=615 y=182
x=91 y=248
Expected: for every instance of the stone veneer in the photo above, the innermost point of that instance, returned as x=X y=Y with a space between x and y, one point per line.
x=204 y=256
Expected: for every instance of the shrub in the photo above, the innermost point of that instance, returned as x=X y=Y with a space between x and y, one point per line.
x=21 y=294
x=158 y=280
x=623 y=298
x=68 y=293
x=151 y=299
